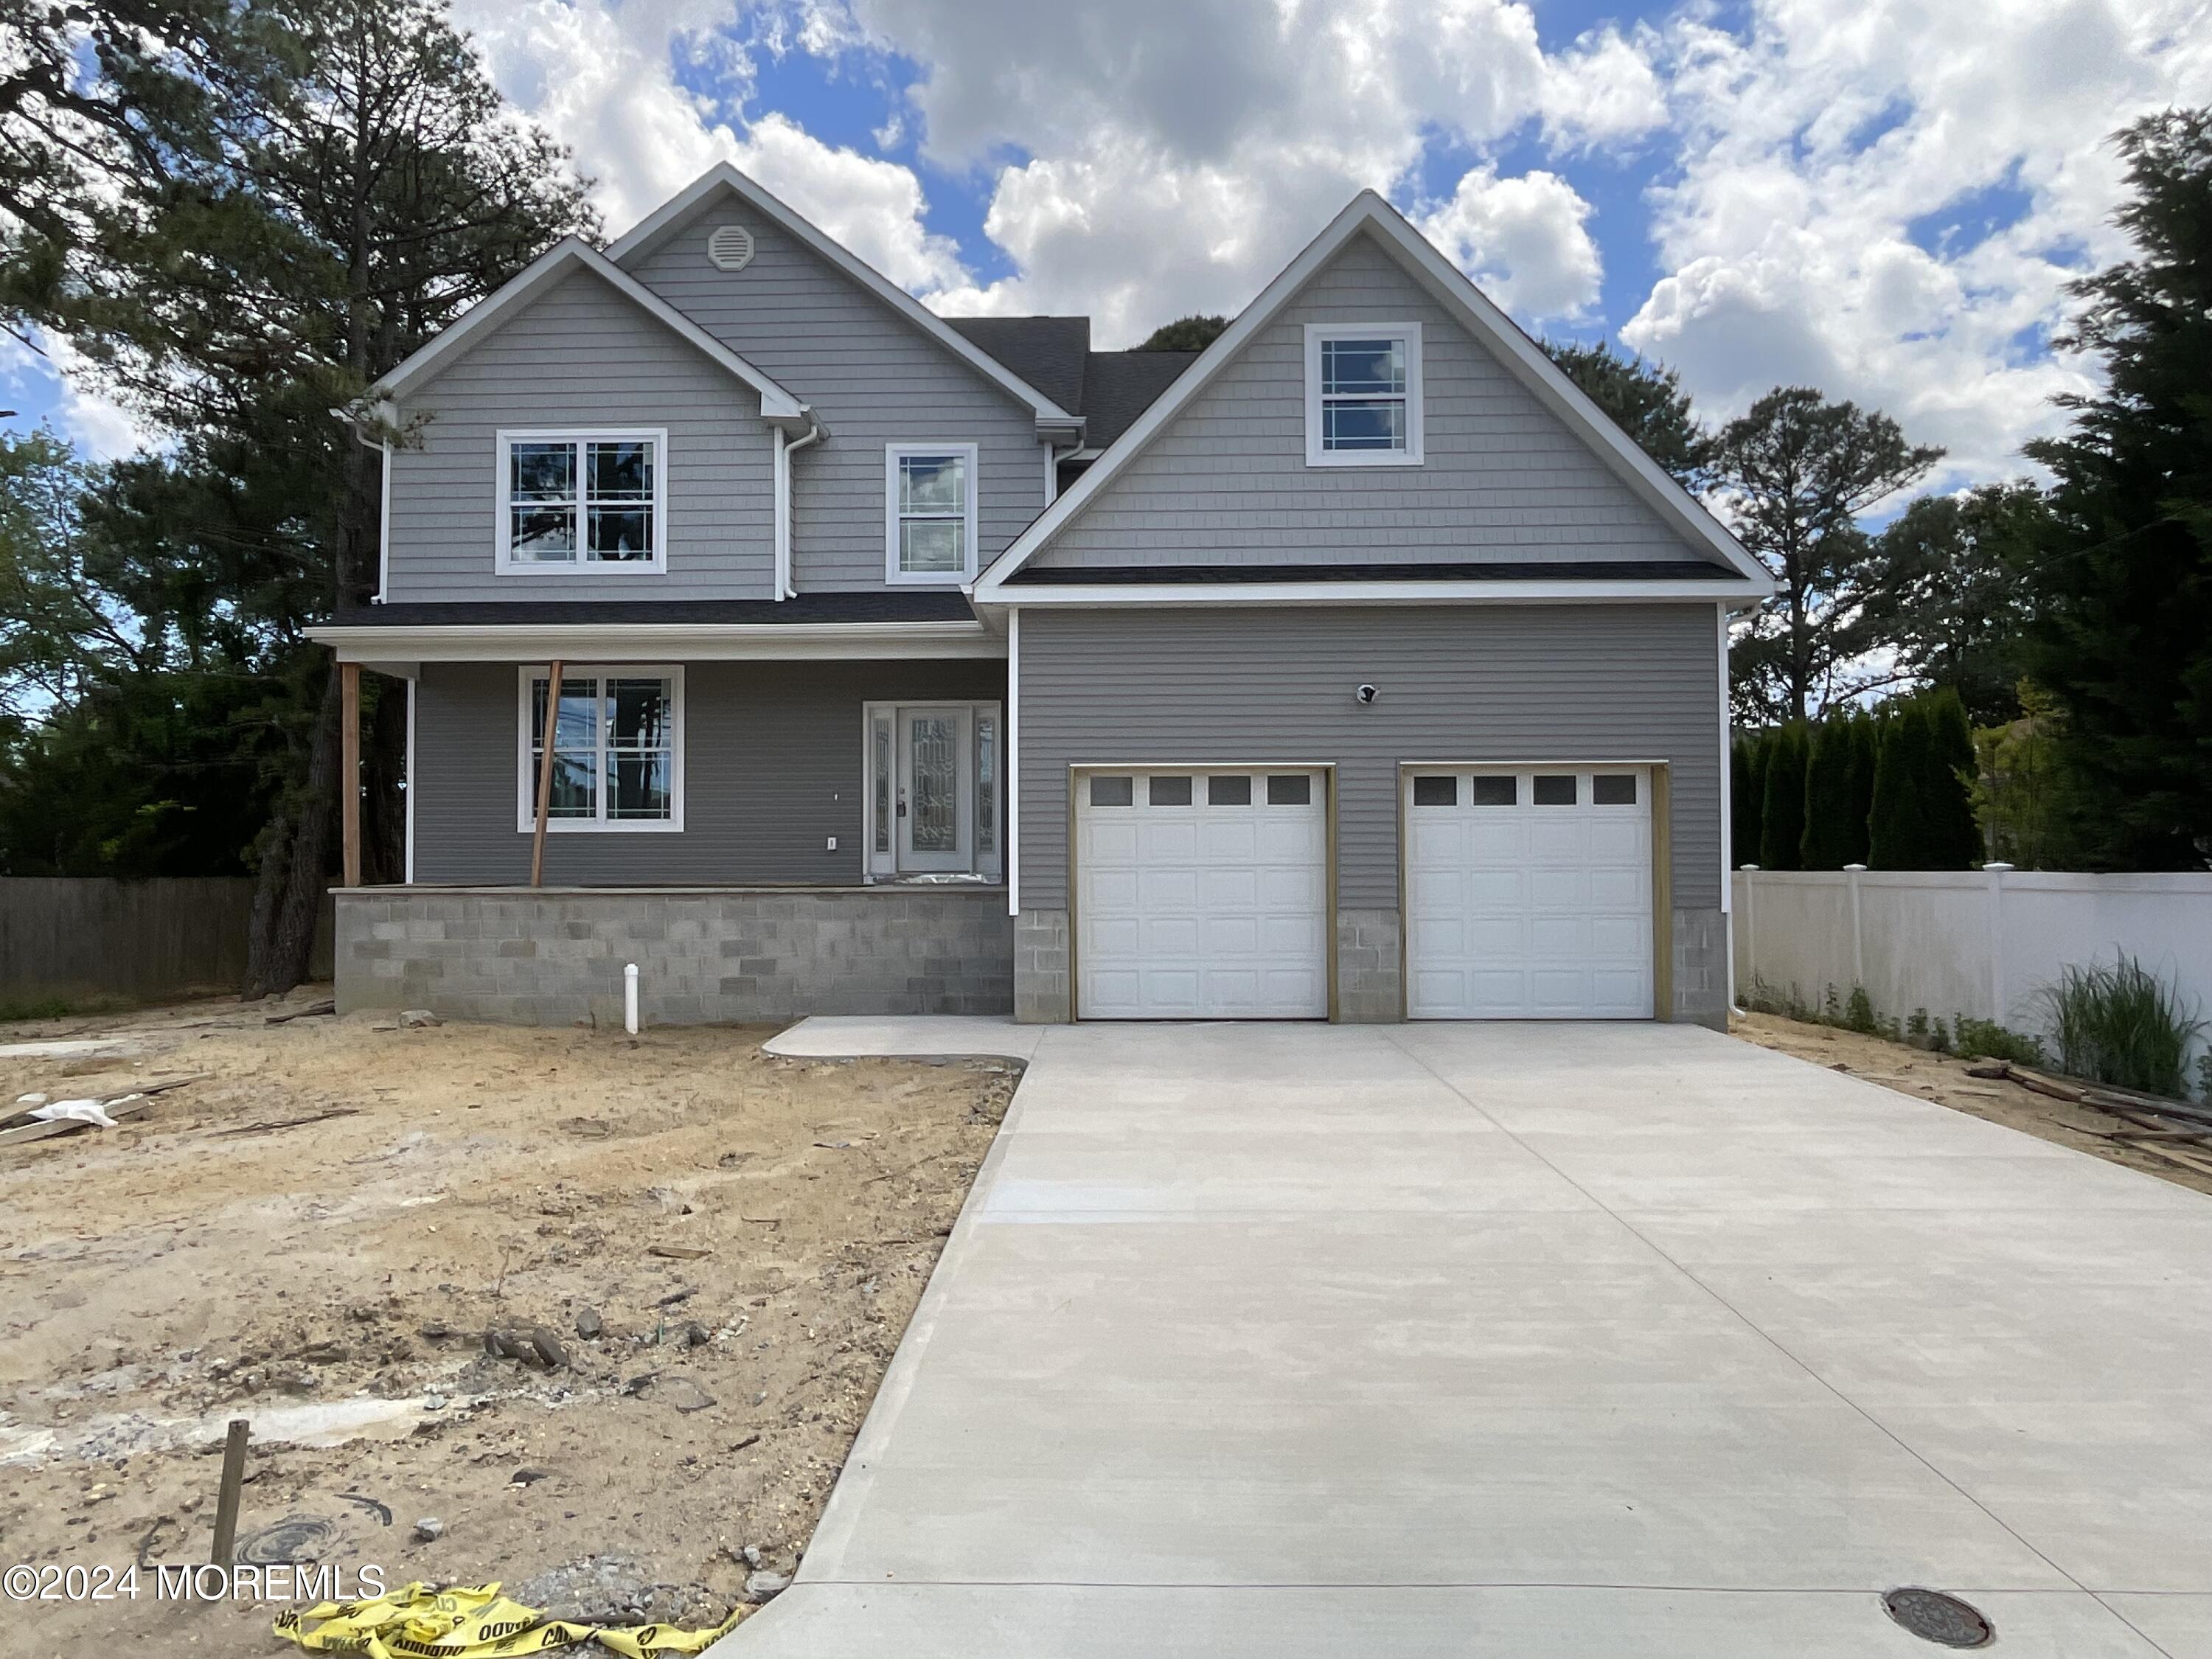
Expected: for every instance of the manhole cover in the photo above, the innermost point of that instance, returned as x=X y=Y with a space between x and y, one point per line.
x=295 y=1539
x=1934 y=1617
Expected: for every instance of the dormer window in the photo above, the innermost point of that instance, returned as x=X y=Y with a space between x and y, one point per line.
x=582 y=500
x=1363 y=394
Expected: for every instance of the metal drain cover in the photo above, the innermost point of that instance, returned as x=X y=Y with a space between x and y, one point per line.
x=1934 y=1617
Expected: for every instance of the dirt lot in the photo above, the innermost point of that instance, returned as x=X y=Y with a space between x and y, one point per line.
x=753 y=1234
x=1942 y=1078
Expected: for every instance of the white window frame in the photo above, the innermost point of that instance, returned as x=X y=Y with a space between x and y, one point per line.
x=503 y=525
x=1411 y=455
x=892 y=455
x=526 y=816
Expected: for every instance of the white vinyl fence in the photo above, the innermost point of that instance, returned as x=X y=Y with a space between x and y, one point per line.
x=1982 y=943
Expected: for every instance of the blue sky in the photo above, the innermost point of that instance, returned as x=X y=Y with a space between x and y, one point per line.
x=1882 y=199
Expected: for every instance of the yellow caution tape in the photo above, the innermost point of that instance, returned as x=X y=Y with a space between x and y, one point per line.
x=419 y=1621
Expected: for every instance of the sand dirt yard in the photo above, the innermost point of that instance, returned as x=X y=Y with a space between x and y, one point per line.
x=1943 y=1078
x=725 y=1246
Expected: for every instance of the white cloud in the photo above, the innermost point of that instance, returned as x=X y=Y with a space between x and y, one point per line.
x=55 y=388
x=1812 y=145
x=1523 y=240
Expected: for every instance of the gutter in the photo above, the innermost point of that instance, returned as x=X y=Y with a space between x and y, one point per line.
x=785 y=587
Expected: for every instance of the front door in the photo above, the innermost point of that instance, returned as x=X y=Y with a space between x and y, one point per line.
x=935 y=804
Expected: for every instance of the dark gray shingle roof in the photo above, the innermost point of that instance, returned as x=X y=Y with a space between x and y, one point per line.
x=1110 y=389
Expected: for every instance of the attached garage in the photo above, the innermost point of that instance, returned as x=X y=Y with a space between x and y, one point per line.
x=1529 y=892
x=1201 y=893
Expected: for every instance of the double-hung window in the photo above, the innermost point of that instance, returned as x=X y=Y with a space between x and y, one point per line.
x=930 y=513
x=1363 y=394
x=617 y=748
x=583 y=500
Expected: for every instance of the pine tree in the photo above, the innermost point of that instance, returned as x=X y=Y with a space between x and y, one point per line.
x=1746 y=783
x=2122 y=631
x=1953 y=840
x=1866 y=746
x=1830 y=841
x=1782 y=811
x=1897 y=827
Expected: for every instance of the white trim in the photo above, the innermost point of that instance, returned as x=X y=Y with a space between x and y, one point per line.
x=504 y=561
x=539 y=643
x=1317 y=334
x=527 y=820
x=893 y=454
x=1519 y=355
x=651 y=230
x=1014 y=762
x=780 y=468
x=1724 y=589
x=564 y=255
x=1727 y=838
x=411 y=784
x=384 y=528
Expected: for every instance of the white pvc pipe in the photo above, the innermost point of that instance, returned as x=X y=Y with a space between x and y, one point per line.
x=629 y=999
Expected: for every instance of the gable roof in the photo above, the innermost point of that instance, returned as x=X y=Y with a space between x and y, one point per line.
x=1121 y=385
x=665 y=220
x=1521 y=357
x=567 y=256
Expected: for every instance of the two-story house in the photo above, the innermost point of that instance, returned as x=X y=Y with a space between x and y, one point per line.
x=1356 y=668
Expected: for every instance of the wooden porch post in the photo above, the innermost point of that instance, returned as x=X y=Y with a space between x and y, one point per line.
x=349 y=770
x=545 y=779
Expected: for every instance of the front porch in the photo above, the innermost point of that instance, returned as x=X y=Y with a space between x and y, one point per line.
x=554 y=956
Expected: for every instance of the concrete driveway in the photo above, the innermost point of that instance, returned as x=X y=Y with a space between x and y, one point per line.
x=1529 y=1340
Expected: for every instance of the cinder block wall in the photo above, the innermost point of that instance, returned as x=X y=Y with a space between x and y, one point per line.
x=704 y=956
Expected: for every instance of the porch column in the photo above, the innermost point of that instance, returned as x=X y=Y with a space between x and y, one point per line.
x=350 y=770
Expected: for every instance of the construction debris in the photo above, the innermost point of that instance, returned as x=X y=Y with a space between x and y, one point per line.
x=462 y=1623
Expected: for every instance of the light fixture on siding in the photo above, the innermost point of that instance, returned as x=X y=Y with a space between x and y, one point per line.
x=729 y=247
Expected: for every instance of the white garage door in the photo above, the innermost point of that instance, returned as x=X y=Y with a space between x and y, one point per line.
x=1202 y=894
x=1529 y=893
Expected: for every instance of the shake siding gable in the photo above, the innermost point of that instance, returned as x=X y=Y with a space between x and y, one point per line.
x=1225 y=481
x=583 y=355
x=870 y=375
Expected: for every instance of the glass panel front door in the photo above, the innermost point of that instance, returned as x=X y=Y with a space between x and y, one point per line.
x=934 y=811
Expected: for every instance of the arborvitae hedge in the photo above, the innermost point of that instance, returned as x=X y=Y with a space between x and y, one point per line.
x=1782 y=812
x=1897 y=828
x=1829 y=842
x=1955 y=840
x=1746 y=783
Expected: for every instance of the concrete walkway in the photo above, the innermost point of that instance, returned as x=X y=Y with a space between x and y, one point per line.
x=1531 y=1340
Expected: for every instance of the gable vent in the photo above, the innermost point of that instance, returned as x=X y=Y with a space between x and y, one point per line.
x=729 y=247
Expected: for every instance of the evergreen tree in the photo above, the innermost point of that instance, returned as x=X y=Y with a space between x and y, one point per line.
x=1865 y=746
x=1953 y=840
x=1781 y=809
x=1792 y=476
x=1746 y=782
x=1898 y=835
x=2123 y=593
x=1830 y=841
x=315 y=188
x=1191 y=333
x=1948 y=601
x=1646 y=401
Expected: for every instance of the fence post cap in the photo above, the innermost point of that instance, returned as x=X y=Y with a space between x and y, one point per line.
x=1746 y=866
x=1854 y=867
x=1998 y=869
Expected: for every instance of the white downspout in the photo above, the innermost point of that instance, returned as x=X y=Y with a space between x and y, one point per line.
x=1014 y=762
x=787 y=587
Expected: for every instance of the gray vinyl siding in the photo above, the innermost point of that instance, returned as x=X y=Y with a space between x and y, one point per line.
x=772 y=761
x=873 y=377
x=1501 y=683
x=583 y=355
x=1225 y=481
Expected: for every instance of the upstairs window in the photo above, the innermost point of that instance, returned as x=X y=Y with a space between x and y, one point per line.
x=929 y=511
x=582 y=500
x=1363 y=394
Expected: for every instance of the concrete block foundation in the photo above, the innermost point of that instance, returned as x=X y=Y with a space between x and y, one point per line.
x=705 y=956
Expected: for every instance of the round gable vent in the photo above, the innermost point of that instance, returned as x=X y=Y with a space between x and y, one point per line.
x=729 y=247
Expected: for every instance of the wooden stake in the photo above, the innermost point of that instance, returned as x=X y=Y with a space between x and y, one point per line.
x=225 y=1499
x=545 y=779
x=350 y=767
